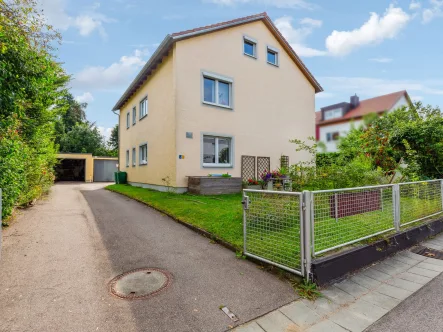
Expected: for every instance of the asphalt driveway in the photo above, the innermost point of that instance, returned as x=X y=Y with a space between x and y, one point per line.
x=60 y=255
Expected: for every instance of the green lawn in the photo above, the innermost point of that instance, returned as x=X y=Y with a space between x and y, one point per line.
x=273 y=229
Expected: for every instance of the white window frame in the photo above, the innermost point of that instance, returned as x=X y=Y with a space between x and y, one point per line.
x=134 y=115
x=216 y=164
x=336 y=113
x=127 y=158
x=134 y=157
x=335 y=134
x=217 y=78
x=128 y=120
x=252 y=41
x=140 y=161
x=140 y=110
x=270 y=49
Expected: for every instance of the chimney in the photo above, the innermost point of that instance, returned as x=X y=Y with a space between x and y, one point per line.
x=355 y=101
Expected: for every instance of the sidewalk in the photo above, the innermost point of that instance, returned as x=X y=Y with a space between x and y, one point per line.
x=358 y=302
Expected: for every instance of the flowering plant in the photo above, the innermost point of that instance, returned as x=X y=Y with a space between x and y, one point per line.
x=252 y=182
x=267 y=176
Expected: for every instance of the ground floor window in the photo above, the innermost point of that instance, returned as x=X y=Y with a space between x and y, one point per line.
x=143 y=154
x=133 y=157
x=332 y=136
x=217 y=151
x=127 y=158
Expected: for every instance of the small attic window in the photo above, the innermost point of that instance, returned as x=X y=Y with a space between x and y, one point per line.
x=250 y=47
x=333 y=114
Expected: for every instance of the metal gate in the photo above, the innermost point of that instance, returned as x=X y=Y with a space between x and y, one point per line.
x=104 y=170
x=273 y=229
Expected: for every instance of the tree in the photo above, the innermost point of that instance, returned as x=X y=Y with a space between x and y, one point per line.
x=83 y=138
x=73 y=113
x=113 y=139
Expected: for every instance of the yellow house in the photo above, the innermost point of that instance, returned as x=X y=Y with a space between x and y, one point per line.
x=210 y=96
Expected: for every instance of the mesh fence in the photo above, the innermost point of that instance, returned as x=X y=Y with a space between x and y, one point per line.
x=345 y=216
x=272 y=228
x=419 y=200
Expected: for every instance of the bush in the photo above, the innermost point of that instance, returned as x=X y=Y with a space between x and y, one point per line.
x=330 y=158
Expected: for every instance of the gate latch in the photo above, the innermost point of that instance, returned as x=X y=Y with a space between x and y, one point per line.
x=245 y=203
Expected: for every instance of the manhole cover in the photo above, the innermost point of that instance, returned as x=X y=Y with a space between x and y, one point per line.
x=140 y=283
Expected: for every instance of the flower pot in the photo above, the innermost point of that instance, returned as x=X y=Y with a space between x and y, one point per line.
x=254 y=187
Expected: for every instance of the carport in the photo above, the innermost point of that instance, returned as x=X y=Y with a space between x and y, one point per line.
x=85 y=167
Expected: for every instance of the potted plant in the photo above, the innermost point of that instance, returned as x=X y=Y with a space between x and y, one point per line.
x=253 y=184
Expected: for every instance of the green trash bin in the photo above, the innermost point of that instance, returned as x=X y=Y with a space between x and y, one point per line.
x=121 y=177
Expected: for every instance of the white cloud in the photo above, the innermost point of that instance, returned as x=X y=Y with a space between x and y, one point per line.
x=436 y=10
x=324 y=95
x=85 y=98
x=86 y=23
x=416 y=98
x=114 y=77
x=296 y=36
x=381 y=60
x=311 y=22
x=372 y=32
x=304 y=4
x=105 y=132
x=414 y=5
x=371 y=87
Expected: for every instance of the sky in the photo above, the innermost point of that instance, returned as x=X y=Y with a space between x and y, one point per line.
x=370 y=48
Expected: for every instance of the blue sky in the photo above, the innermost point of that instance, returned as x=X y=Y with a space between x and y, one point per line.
x=372 y=48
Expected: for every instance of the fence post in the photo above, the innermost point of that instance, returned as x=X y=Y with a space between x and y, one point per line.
x=441 y=193
x=306 y=228
x=245 y=203
x=396 y=203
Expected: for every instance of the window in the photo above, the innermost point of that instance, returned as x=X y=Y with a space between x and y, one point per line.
x=143 y=154
x=134 y=162
x=332 y=114
x=332 y=136
x=217 y=151
x=127 y=120
x=272 y=56
x=143 y=108
x=127 y=158
x=250 y=47
x=134 y=114
x=217 y=90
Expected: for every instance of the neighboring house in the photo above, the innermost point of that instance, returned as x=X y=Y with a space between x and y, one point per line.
x=335 y=121
x=211 y=95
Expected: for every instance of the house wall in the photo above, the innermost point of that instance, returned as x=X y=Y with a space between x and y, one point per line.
x=157 y=129
x=343 y=128
x=271 y=105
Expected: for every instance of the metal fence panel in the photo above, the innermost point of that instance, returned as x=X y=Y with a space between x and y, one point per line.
x=345 y=216
x=419 y=201
x=272 y=228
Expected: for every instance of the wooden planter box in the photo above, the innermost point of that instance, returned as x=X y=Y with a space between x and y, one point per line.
x=213 y=185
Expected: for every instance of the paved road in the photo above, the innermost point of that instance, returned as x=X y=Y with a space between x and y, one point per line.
x=60 y=255
x=420 y=312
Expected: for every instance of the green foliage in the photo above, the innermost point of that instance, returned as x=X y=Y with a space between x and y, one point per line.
x=83 y=138
x=32 y=85
x=113 y=140
x=329 y=158
x=307 y=290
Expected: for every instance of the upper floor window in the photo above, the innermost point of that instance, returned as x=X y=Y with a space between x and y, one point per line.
x=143 y=108
x=272 y=56
x=217 y=151
x=128 y=120
x=134 y=115
x=249 y=46
x=217 y=90
x=332 y=114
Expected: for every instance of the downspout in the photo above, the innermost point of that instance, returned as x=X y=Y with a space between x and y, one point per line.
x=118 y=149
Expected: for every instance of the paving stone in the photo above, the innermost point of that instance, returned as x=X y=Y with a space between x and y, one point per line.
x=352 y=288
x=394 y=292
x=275 y=322
x=375 y=274
x=414 y=278
x=434 y=246
x=423 y=272
x=322 y=306
x=250 y=327
x=432 y=267
x=388 y=269
x=381 y=300
x=300 y=314
x=326 y=326
x=406 y=260
x=399 y=265
x=351 y=321
x=365 y=281
x=438 y=241
x=337 y=295
x=404 y=284
x=433 y=261
x=368 y=310
x=412 y=255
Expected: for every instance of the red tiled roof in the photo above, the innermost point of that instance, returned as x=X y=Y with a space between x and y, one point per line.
x=373 y=105
x=219 y=25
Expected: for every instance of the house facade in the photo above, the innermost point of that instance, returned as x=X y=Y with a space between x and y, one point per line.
x=335 y=121
x=211 y=95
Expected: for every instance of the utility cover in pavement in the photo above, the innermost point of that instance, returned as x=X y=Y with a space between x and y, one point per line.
x=140 y=283
x=428 y=252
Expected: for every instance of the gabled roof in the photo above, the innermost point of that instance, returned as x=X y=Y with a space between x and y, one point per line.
x=169 y=40
x=373 y=105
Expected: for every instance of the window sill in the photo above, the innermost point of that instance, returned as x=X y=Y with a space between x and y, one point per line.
x=217 y=105
x=142 y=164
x=217 y=165
x=251 y=56
x=272 y=64
x=144 y=116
